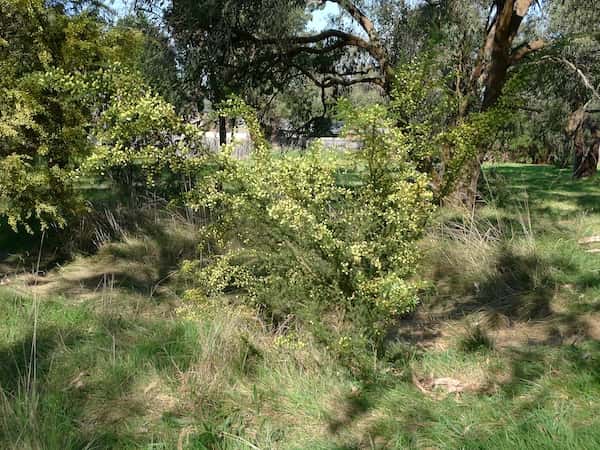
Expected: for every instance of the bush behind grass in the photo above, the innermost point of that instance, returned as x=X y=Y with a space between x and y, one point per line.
x=289 y=236
x=115 y=369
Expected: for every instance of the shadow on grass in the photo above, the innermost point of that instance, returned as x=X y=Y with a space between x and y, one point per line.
x=39 y=414
x=115 y=379
x=517 y=289
x=137 y=249
x=139 y=263
x=84 y=394
x=358 y=421
x=16 y=362
x=550 y=191
x=514 y=290
x=353 y=407
x=542 y=380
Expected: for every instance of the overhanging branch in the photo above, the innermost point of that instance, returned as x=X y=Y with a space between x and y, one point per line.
x=522 y=51
x=584 y=79
x=287 y=41
x=334 y=79
x=374 y=44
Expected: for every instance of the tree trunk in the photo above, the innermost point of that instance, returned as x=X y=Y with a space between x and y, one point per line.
x=497 y=51
x=586 y=140
x=586 y=160
x=491 y=72
x=466 y=189
x=222 y=130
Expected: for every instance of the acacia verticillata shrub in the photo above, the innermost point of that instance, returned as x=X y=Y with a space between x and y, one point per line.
x=319 y=235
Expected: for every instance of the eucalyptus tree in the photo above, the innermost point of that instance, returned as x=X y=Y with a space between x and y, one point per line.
x=577 y=22
x=154 y=56
x=556 y=86
x=230 y=46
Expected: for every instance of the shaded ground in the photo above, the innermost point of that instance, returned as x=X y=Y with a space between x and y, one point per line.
x=520 y=267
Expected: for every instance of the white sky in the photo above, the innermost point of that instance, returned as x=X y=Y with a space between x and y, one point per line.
x=321 y=17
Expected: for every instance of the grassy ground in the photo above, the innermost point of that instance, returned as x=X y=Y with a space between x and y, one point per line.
x=503 y=353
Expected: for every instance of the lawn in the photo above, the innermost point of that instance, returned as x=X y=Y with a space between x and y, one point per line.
x=504 y=351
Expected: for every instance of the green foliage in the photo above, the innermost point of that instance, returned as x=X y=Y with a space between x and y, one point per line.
x=72 y=103
x=423 y=108
x=43 y=136
x=420 y=98
x=461 y=146
x=146 y=48
x=44 y=110
x=218 y=53
x=141 y=141
x=292 y=236
x=441 y=140
x=26 y=193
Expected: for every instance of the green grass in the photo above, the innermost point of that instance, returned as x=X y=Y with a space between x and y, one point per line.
x=503 y=353
x=549 y=191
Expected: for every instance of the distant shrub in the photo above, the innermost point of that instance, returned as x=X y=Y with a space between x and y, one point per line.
x=289 y=235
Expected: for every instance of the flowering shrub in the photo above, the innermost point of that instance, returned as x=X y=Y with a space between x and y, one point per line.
x=140 y=140
x=43 y=136
x=71 y=99
x=316 y=235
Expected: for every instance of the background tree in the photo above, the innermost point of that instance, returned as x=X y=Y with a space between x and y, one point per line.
x=477 y=46
x=154 y=57
x=233 y=47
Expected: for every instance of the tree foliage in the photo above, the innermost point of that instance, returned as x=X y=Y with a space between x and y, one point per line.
x=67 y=80
x=45 y=107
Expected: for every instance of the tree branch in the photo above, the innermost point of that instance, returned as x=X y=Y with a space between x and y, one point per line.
x=348 y=38
x=331 y=79
x=526 y=108
x=294 y=51
x=586 y=82
x=520 y=52
x=360 y=17
x=375 y=47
